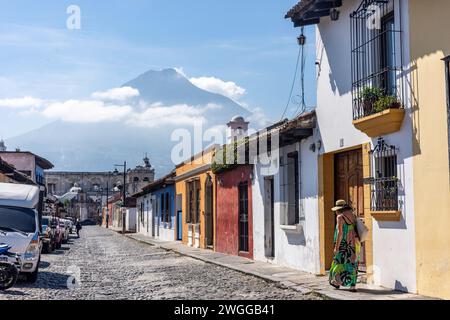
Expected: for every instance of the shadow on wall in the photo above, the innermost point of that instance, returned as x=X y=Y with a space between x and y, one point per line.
x=400 y=287
x=414 y=100
x=297 y=239
x=339 y=60
x=413 y=85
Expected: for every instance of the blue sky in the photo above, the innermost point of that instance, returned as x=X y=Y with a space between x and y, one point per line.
x=247 y=42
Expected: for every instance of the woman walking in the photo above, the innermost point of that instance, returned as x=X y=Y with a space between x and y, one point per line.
x=347 y=247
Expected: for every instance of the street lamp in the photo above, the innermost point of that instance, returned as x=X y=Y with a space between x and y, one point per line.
x=124 y=195
x=107 y=199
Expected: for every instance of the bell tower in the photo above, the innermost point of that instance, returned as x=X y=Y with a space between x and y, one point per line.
x=237 y=129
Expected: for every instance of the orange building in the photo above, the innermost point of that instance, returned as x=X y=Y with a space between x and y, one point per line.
x=195 y=200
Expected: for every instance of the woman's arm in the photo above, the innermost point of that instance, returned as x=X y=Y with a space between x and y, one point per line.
x=339 y=227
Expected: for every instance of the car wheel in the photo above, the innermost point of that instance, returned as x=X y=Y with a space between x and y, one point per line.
x=32 y=277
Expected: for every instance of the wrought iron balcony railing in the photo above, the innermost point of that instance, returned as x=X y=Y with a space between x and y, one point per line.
x=376 y=58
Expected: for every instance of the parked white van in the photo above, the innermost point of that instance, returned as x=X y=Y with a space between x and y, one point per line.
x=19 y=225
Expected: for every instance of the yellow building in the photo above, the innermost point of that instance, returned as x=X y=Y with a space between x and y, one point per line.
x=429 y=48
x=195 y=194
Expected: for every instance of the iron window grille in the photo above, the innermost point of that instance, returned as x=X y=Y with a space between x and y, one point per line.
x=290 y=192
x=376 y=58
x=243 y=218
x=384 y=180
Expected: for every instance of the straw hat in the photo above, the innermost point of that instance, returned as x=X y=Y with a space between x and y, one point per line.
x=340 y=204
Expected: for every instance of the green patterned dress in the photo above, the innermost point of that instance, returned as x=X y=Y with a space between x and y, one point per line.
x=344 y=269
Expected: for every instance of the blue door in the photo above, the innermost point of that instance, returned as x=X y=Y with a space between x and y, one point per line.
x=179 y=226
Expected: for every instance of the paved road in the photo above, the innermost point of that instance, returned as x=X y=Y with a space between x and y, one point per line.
x=114 y=267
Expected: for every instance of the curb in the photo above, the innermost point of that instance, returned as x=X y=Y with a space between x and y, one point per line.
x=283 y=284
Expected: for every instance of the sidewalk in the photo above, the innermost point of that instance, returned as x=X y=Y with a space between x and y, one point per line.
x=297 y=280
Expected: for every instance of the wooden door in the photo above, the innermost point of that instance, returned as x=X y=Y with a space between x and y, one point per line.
x=349 y=185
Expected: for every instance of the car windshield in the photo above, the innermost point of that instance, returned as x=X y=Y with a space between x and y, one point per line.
x=45 y=221
x=22 y=219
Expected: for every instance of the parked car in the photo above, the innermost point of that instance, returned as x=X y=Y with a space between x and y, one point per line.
x=48 y=235
x=71 y=225
x=64 y=225
x=19 y=225
x=58 y=232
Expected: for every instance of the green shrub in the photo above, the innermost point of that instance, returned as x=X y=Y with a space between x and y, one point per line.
x=371 y=94
x=221 y=166
x=386 y=102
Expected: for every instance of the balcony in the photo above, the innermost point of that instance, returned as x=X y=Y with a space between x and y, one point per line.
x=377 y=74
x=381 y=123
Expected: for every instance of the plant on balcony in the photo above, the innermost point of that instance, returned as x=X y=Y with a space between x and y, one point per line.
x=369 y=97
x=386 y=102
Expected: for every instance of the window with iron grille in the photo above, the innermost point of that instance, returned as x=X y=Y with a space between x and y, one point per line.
x=243 y=218
x=167 y=208
x=384 y=180
x=193 y=205
x=197 y=202
x=376 y=58
x=190 y=204
x=290 y=211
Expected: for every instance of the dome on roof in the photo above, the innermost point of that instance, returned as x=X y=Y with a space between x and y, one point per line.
x=238 y=119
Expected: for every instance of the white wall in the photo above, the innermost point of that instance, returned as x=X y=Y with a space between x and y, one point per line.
x=394 y=242
x=166 y=234
x=299 y=250
x=130 y=222
x=146 y=227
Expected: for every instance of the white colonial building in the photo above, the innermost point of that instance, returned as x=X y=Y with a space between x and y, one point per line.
x=363 y=141
x=284 y=190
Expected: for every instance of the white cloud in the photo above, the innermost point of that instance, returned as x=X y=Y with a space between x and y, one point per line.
x=86 y=111
x=258 y=119
x=21 y=103
x=116 y=94
x=180 y=70
x=227 y=88
x=158 y=115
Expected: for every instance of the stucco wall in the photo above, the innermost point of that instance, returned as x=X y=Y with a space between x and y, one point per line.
x=227 y=212
x=200 y=160
x=430 y=42
x=145 y=225
x=295 y=250
x=165 y=231
x=393 y=242
x=130 y=222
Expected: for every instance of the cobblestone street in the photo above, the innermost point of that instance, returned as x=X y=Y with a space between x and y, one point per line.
x=115 y=267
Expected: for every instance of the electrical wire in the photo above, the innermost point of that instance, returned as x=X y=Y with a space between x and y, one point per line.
x=302 y=106
x=293 y=82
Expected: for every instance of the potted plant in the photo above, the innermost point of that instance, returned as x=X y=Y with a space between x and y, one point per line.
x=386 y=102
x=370 y=96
